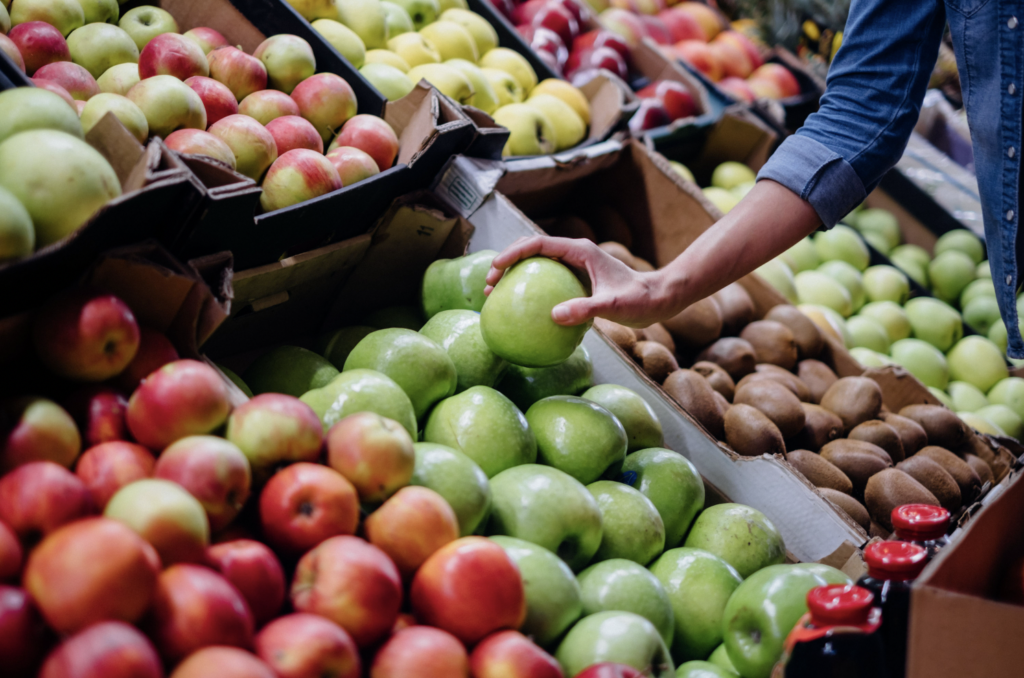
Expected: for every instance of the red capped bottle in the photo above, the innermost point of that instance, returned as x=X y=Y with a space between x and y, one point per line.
x=839 y=637
x=892 y=566
x=922 y=524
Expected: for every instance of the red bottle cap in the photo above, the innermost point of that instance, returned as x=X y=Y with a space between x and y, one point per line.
x=895 y=560
x=920 y=522
x=839 y=605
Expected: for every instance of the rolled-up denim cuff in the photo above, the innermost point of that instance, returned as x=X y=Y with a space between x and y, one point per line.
x=818 y=175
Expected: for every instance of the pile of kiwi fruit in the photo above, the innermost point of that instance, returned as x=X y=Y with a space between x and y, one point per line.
x=763 y=386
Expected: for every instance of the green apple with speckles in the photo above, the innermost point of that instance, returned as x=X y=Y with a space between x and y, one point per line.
x=291 y=370
x=361 y=391
x=739 y=535
x=632 y=526
x=672 y=484
x=458 y=333
x=459 y=283
x=577 y=436
x=458 y=479
x=643 y=428
x=617 y=637
x=623 y=585
x=526 y=385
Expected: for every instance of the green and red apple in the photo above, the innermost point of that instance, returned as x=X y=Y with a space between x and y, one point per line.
x=458 y=479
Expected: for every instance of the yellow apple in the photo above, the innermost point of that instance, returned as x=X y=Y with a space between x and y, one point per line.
x=367 y=18
x=567 y=93
x=343 y=39
x=483 y=33
x=513 y=63
x=130 y=115
x=388 y=80
x=449 y=81
x=531 y=133
x=451 y=41
x=414 y=49
x=507 y=88
x=397 y=19
x=569 y=128
x=484 y=96
x=386 y=56
x=445 y=5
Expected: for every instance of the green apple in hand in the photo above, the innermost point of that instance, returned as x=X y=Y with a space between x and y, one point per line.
x=643 y=429
x=698 y=584
x=552 y=593
x=361 y=391
x=458 y=333
x=456 y=283
x=291 y=370
x=623 y=585
x=672 y=484
x=739 y=535
x=701 y=669
x=620 y=637
x=455 y=477
x=577 y=436
x=631 y=525
x=544 y=506
x=526 y=385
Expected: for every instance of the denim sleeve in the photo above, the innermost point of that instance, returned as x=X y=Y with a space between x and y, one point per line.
x=871 y=103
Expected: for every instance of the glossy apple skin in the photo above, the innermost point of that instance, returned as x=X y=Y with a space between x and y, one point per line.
x=542 y=39
x=297 y=176
x=91 y=570
x=107 y=467
x=352 y=583
x=213 y=470
x=207 y=38
x=74 y=78
x=40 y=430
x=470 y=588
x=510 y=654
x=110 y=649
x=411 y=526
x=327 y=101
x=253 y=569
x=596 y=57
x=375 y=453
x=57 y=89
x=166 y=516
x=421 y=652
x=304 y=504
x=22 y=633
x=182 y=398
x=155 y=351
x=308 y=646
x=602 y=37
x=557 y=18
x=198 y=142
x=613 y=636
x=222 y=662
x=218 y=100
x=288 y=59
x=86 y=335
x=292 y=131
x=250 y=142
x=39 y=44
x=651 y=114
x=672 y=484
x=626 y=586
x=268 y=104
x=372 y=135
x=172 y=54
x=741 y=536
x=99 y=412
x=577 y=436
x=352 y=164
x=273 y=429
x=243 y=74
x=11 y=554
x=194 y=607
x=39 y=497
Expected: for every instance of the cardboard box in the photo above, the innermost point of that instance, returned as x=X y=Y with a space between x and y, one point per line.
x=11 y=75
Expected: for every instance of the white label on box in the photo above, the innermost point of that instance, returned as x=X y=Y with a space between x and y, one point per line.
x=466 y=182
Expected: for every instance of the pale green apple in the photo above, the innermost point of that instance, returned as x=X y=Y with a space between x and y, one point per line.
x=730 y=174
x=100 y=11
x=484 y=35
x=623 y=585
x=289 y=60
x=1005 y=418
x=421 y=12
x=982 y=313
x=722 y=199
x=1009 y=392
x=448 y=80
x=720 y=658
x=414 y=50
x=367 y=18
x=387 y=57
x=486 y=427
x=513 y=63
x=577 y=436
x=5 y=19
x=458 y=333
x=868 y=333
x=343 y=39
x=966 y=397
x=553 y=601
x=314 y=9
x=445 y=5
x=815 y=287
x=119 y=79
x=643 y=428
x=146 y=22
x=886 y=283
x=17 y=237
x=698 y=584
x=388 y=80
x=459 y=283
x=891 y=316
x=99 y=47
x=335 y=346
x=169 y=104
x=130 y=115
x=977 y=361
x=777 y=274
x=934 y=321
x=484 y=96
x=802 y=256
x=407 y=317
x=362 y=391
x=842 y=243
x=672 y=484
x=847 y=276
x=568 y=125
x=530 y=131
x=506 y=88
x=458 y=479
x=451 y=40
x=880 y=222
x=631 y=526
x=397 y=19
x=739 y=535
x=949 y=273
x=618 y=637
x=64 y=15
x=544 y=506
x=526 y=385
x=27 y=108
x=961 y=240
x=291 y=370
x=702 y=669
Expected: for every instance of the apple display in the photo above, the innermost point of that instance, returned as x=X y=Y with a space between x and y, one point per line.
x=288 y=60
x=198 y=142
x=213 y=470
x=327 y=101
x=672 y=484
x=98 y=47
x=253 y=146
x=64 y=15
x=129 y=115
x=510 y=653
x=222 y=662
x=367 y=18
x=39 y=44
x=146 y=22
x=308 y=646
x=739 y=535
x=253 y=569
x=37 y=430
x=172 y=54
x=109 y=466
x=166 y=516
x=421 y=651
x=109 y=649
x=362 y=391
x=390 y=81
x=182 y=398
x=297 y=176
x=169 y=105
x=631 y=525
x=267 y=105
x=577 y=436
x=274 y=429
x=39 y=497
x=119 y=79
x=352 y=165
x=74 y=78
x=303 y=504
x=343 y=39
x=625 y=586
x=620 y=637
x=207 y=38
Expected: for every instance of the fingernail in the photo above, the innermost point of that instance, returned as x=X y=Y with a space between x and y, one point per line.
x=559 y=314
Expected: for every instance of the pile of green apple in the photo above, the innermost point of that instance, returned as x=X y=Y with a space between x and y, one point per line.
x=730 y=181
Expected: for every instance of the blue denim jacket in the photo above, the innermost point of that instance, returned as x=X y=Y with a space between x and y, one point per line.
x=875 y=87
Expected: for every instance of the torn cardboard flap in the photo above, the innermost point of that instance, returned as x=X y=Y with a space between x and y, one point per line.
x=414 y=118
x=122 y=151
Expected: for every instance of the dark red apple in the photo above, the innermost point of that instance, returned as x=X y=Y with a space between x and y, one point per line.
x=39 y=497
x=308 y=646
x=545 y=40
x=650 y=115
x=602 y=37
x=99 y=412
x=596 y=58
x=39 y=44
x=255 y=571
x=110 y=649
x=676 y=98
x=513 y=655
x=304 y=504
x=22 y=633
x=11 y=553
x=558 y=19
x=107 y=467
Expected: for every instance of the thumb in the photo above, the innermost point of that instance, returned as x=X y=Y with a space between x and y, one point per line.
x=574 y=311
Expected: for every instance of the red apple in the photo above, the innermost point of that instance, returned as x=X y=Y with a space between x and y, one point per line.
x=243 y=74
x=470 y=588
x=602 y=38
x=510 y=654
x=110 y=649
x=744 y=43
x=80 y=107
x=735 y=62
x=83 y=334
x=675 y=96
x=172 y=54
x=99 y=412
x=304 y=504
x=107 y=467
x=198 y=142
x=545 y=41
x=352 y=583
x=522 y=13
x=180 y=399
x=207 y=38
x=92 y=570
x=421 y=652
x=22 y=633
x=738 y=88
x=650 y=115
x=155 y=351
x=274 y=429
x=39 y=497
x=74 y=78
x=254 y=570
x=710 y=20
x=57 y=89
x=292 y=131
x=370 y=134
x=699 y=55
x=411 y=526
x=505 y=7
x=8 y=48
x=682 y=25
x=164 y=514
x=598 y=57
x=267 y=105
x=213 y=470
x=374 y=452
x=327 y=101
x=576 y=8
x=297 y=176
x=39 y=44
x=764 y=87
x=308 y=646
x=222 y=662
x=625 y=23
x=250 y=142
x=656 y=29
x=11 y=554
x=36 y=429
x=194 y=607
x=404 y=621
x=352 y=164
x=218 y=100
x=558 y=19
x=609 y=670
x=781 y=76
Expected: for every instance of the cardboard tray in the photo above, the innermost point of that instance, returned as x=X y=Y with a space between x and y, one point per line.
x=11 y=75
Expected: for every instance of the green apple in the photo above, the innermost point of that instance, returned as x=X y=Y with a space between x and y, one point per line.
x=983 y=271
x=847 y=276
x=17 y=237
x=730 y=174
x=146 y=22
x=912 y=253
x=397 y=19
x=891 y=316
x=886 y=283
x=908 y=265
x=531 y=132
x=643 y=428
x=388 y=80
x=28 y=108
x=568 y=125
x=553 y=601
x=631 y=525
x=720 y=658
x=484 y=96
x=513 y=63
x=739 y=535
x=880 y=222
x=922 y=360
x=451 y=41
x=64 y=15
x=868 y=333
x=830 y=574
x=458 y=333
x=701 y=669
x=619 y=637
x=419 y=365
x=99 y=47
x=544 y=506
x=516 y=318
x=387 y=57
x=100 y=11
x=361 y=391
x=577 y=436
x=966 y=397
x=949 y=273
x=722 y=199
x=289 y=369
x=672 y=484
x=314 y=9
x=1009 y=392
x=484 y=35
x=422 y=12
x=682 y=170
x=526 y=385
x=934 y=321
x=981 y=287
x=802 y=256
x=507 y=88
x=961 y=240
x=367 y=18
x=815 y=287
x=777 y=274
x=698 y=584
x=130 y=115
x=448 y=80
x=450 y=284
x=119 y=79
x=842 y=243
x=343 y=39
x=977 y=361
x=982 y=313
x=623 y=585
x=414 y=50
x=486 y=427
x=458 y=479
x=335 y=346
x=445 y=5
x=1005 y=418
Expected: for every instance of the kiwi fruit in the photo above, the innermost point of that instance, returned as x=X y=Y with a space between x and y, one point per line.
x=881 y=434
x=697 y=325
x=776 y=401
x=854 y=399
x=817 y=376
x=938 y=481
x=980 y=467
x=659 y=334
x=857 y=459
x=849 y=505
x=942 y=427
x=808 y=337
x=736 y=306
x=995 y=458
x=717 y=377
x=734 y=355
x=821 y=472
x=911 y=433
x=773 y=343
x=695 y=395
x=655 y=359
x=723 y=404
x=876 y=531
x=623 y=336
x=890 y=488
x=963 y=474
x=786 y=377
x=618 y=251
x=750 y=433
x=820 y=428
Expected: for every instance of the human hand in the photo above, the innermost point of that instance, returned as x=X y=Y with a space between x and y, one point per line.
x=618 y=293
